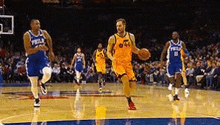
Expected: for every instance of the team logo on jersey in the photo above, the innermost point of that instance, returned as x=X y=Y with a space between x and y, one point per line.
x=126 y=43
x=120 y=45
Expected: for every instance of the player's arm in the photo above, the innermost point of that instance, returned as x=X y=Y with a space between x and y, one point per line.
x=94 y=56
x=186 y=52
x=72 y=62
x=134 y=47
x=27 y=45
x=163 y=54
x=50 y=44
x=84 y=62
x=111 y=42
x=105 y=54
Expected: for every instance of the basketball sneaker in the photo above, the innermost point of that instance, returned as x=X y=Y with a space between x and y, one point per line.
x=37 y=102
x=186 y=92
x=43 y=89
x=170 y=86
x=131 y=106
x=176 y=98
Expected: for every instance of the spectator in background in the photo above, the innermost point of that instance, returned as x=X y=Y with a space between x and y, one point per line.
x=70 y=74
x=56 y=73
x=216 y=76
x=63 y=73
x=190 y=74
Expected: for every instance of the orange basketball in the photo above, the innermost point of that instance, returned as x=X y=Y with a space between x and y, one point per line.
x=144 y=54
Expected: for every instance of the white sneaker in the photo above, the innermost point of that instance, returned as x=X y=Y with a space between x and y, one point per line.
x=170 y=97
x=170 y=87
x=37 y=102
x=186 y=92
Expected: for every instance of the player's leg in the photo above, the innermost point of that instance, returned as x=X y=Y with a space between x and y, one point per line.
x=183 y=73
x=78 y=75
x=131 y=77
x=178 y=70
x=170 y=74
x=121 y=73
x=32 y=74
x=103 y=74
x=100 y=80
x=34 y=90
x=99 y=72
x=47 y=71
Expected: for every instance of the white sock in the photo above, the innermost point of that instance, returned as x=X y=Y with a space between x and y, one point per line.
x=176 y=91
x=78 y=74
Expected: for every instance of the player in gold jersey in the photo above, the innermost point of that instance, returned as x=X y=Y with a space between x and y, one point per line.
x=99 y=57
x=119 y=50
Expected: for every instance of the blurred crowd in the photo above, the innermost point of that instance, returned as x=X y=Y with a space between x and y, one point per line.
x=198 y=28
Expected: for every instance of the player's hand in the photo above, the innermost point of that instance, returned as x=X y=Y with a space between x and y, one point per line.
x=84 y=66
x=51 y=56
x=42 y=47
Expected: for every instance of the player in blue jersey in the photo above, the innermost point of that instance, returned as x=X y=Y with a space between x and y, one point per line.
x=174 y=64
x=36 y=43
x=79 y=60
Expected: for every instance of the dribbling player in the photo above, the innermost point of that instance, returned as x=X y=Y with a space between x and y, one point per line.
x=175 y=64
x=119 y=51
x=79 y=60
x=37 y=64
x=99 y=57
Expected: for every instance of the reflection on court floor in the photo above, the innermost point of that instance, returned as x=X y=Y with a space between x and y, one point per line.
x=66 y=105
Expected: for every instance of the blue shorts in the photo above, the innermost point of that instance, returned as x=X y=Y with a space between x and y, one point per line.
x=79 y=67
x=173 y=68
x=35 y=65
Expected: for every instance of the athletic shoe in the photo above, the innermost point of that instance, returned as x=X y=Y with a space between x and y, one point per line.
x=175 y=97
x=131 y=106
x=43 y=89
x=170 y=87
x=186 y=92
x=37 y=102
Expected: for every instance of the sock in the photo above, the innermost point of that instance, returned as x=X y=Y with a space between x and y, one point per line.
x=129 y=99
x=176 y=91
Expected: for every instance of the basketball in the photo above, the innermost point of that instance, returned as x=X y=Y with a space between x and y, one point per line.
x=144 y=54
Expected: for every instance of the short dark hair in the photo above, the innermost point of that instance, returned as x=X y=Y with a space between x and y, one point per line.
x=32 y=21
x=122 y=20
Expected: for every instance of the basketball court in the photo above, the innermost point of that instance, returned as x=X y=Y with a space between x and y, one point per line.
x=64 y=105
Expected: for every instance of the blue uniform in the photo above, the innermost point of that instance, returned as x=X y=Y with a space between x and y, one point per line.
x=37 y=61
x=79 y=62
x=174 y=62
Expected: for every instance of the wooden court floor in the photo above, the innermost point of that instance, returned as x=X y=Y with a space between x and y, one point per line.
x=63 y=102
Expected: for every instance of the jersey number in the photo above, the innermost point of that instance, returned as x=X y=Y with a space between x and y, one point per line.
x=176 y=54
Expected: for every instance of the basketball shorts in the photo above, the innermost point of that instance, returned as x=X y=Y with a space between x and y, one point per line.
x=79 y=67
x=124 y=68
x=100 y=68
x=35 y=65
x=173 y=68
